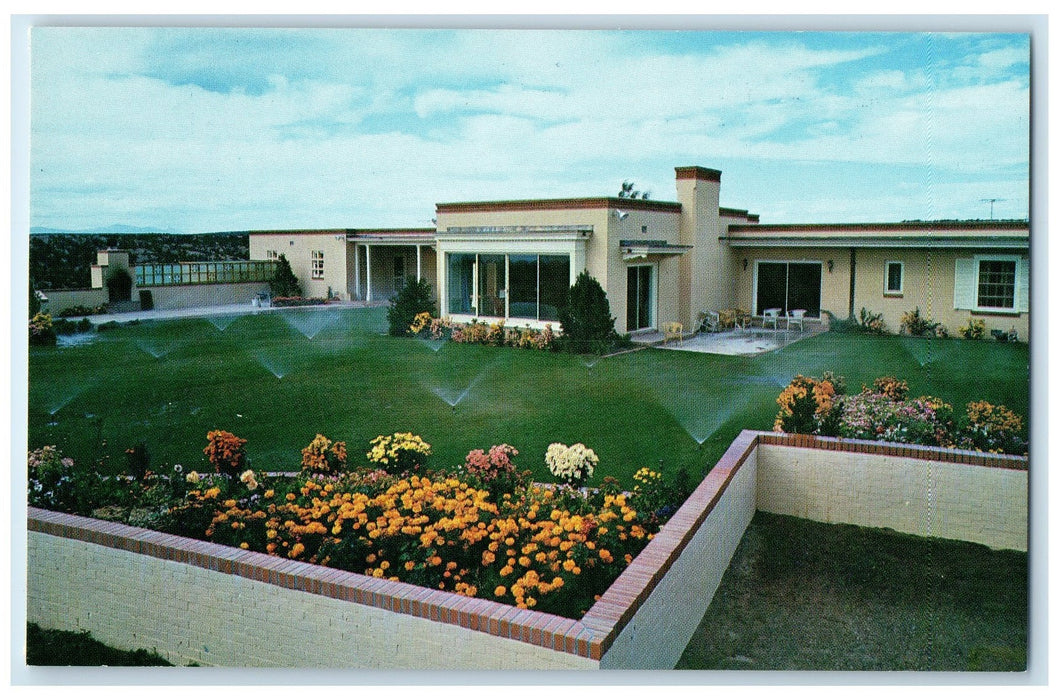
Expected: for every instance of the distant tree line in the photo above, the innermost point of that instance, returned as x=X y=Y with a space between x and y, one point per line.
x=64 y=260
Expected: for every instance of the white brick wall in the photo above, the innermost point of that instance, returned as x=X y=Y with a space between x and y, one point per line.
x=189 y=614
x=929 y=498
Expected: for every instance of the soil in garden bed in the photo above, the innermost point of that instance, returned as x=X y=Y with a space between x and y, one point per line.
x=802 y=595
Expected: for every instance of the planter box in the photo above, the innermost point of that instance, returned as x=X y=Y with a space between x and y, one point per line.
x=198 y=602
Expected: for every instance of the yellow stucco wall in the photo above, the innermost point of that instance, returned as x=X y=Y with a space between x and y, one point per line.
x=298 y=248
x=929 y=283
x=834 y=294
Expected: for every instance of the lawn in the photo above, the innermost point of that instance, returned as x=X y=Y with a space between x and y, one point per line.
x=278 y=378
x=801 y=595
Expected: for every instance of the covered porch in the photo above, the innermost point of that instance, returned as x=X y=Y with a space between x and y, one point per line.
x=380 y=262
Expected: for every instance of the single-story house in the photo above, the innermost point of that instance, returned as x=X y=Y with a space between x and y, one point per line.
x=668 y=261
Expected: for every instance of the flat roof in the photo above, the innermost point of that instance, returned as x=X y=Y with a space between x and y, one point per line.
x=569 y=203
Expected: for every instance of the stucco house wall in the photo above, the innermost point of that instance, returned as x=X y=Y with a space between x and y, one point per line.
x=298 y=247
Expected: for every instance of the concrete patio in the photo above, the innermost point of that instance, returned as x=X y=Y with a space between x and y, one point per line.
x=738 y=341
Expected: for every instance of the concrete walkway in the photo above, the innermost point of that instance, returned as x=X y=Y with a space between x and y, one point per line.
x=227 y=310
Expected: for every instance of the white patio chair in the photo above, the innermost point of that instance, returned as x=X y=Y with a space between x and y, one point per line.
x=796 y=316
x=771 y=317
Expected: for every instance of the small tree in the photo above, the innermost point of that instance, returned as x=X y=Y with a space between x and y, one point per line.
x=284 y=283
x=413 y=299
x=586 y=320
x=629 y=191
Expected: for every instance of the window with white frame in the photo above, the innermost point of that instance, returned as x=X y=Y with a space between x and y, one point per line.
x=318 y=264
x=895 y=277
x=998 y=283
x=271 y=255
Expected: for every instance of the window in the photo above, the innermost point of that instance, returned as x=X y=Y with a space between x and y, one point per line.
x=271 y=255
x=895 y=277
x=997 y=283
x=318 y=264
x=398 y=273
x=524 y=286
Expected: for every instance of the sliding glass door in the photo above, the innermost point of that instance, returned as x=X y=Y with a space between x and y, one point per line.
x=640 y=297
x=788 y=285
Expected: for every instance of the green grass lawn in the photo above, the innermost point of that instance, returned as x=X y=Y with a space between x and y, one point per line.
x=801 y=595
x=277 y=379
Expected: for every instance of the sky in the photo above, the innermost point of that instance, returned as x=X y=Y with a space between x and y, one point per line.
x=208 y=129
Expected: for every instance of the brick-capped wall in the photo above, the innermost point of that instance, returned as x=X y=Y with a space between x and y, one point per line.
x=199 y=602
x=926 y=491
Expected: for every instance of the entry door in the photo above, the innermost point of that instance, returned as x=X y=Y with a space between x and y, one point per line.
x=638 y=304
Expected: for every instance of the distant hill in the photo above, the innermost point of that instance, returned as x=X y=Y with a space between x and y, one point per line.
x=62 y=260
x=113 y=228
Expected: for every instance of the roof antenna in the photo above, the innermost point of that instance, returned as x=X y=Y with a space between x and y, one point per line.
x=992 y=200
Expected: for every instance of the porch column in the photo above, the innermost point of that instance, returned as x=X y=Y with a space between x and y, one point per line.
x=356 y=271
x=419 y=263
x=367 y=259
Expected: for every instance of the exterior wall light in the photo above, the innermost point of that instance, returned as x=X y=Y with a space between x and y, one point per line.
x=830 y=265
x=745 y=263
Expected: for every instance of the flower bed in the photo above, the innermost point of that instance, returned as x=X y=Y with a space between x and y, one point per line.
x=480 y=333
x=883 y=411
x=297 y=301
x=480 y=529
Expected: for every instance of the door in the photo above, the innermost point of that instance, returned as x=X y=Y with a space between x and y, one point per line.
x=789 y=285
x=638 y=306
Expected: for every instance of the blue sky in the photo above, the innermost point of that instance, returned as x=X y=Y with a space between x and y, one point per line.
x=200 y=129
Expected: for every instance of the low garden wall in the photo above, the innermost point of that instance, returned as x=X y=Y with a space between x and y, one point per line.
x=926 y=491
x=199 y=602
x=61 y=299
x=188 y=296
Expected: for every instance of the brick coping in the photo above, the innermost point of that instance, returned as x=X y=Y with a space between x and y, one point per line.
x=894 y=449
x=590 y=637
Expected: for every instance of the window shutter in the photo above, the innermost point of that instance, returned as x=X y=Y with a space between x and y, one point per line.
x=1022 y=305
x=964 y=293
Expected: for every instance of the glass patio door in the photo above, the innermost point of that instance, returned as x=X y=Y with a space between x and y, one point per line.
x=638 y=304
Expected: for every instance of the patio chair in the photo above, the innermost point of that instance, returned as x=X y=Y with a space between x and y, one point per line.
x=709 y=322
x=771 y=317
x=674 y=330
x=796 y=316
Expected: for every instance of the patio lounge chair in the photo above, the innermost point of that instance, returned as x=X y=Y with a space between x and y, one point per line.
x=674 y=330
x=796 y=316
x=771 y=317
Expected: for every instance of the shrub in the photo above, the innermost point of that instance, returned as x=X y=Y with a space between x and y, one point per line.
x=322 y=456
x=872 y=322
x=63 y=326
x=138 y=460
x=805 y=405
x=587 y=324
x=890 y=387
x=912 y=323
x=992 y=428
x=284 y=283
x=399 y=453
x=413 y=299
x=52 y=482
x=494 y=469
x=974 y=330
x=572 y=465
x=80 y=310
x=877 y=416
x=41 y=331
x=297 y=301
x=225 y=452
